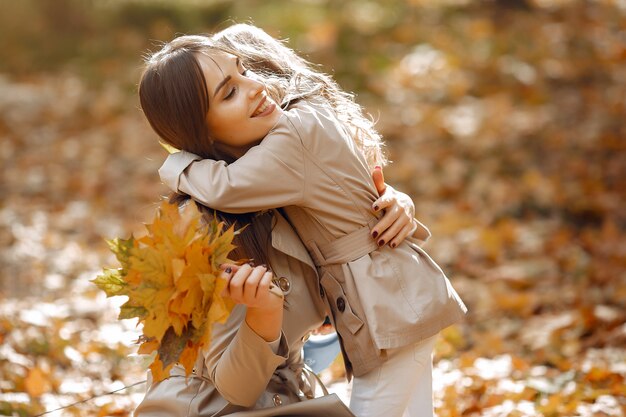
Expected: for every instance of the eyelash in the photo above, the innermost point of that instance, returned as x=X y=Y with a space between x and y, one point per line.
x=233 y=90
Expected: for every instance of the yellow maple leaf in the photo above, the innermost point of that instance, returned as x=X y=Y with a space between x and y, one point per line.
x=148 y=347
x=158 y=372
x=170 y=276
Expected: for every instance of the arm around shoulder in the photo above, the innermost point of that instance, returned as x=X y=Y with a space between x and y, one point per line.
x=269 y=175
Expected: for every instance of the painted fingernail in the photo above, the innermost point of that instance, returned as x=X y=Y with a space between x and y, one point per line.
x=228 y=270
x=381 y=242
x=374 y=234
x=376 y=208
x=393 y=245
x=377 y=167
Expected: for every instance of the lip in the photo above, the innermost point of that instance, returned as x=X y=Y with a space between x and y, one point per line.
x=270 y=108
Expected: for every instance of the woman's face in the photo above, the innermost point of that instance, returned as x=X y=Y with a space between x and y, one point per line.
x=240 y=112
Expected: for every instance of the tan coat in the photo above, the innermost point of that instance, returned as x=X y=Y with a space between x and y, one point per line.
x=309 y=165
x=240 y=370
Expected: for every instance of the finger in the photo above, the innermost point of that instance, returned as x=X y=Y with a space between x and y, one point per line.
x=406 y=231
x=251 y=285
x=389 y=234
x=379 y=180
x=237 y=282
x=226 y=274
x=233 y=267
x=382 y=202
x=385 y=222
x=265 y=284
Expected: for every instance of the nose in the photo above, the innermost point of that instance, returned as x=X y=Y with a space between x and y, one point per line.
x=256 y=87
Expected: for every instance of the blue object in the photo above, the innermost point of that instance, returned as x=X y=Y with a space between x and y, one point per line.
x=320 y=351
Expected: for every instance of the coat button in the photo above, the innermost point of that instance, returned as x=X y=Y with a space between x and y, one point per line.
x=277 y=400
x=284 y=284
x=341 y=304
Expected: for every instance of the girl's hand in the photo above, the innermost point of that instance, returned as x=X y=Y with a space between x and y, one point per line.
x=324 y=329
x=252 y=286
x=397 y=222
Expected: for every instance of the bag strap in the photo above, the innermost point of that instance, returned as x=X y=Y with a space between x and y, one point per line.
x=309 y=373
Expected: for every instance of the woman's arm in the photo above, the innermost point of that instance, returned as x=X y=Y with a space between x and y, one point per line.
x=264 y=301
x=239 y=360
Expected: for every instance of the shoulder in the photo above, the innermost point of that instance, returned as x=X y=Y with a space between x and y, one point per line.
x=307 y=120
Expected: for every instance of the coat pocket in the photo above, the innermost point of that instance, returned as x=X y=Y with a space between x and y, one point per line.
x=338 y=300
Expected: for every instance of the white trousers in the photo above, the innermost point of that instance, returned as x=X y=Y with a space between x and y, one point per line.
x=401 y=387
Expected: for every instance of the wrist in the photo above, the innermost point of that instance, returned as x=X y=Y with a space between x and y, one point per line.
x=265 y=322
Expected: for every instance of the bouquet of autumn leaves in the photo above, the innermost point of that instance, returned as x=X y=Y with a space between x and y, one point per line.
x=171 y=279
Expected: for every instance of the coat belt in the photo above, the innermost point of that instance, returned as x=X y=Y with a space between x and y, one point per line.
x=346 y=248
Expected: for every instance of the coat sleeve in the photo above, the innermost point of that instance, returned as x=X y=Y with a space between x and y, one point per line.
x=269 y=175
x=239 y=362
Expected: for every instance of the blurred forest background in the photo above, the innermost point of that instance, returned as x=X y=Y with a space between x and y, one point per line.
x=504 y=119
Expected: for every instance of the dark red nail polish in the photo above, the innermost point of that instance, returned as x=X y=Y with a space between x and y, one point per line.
x=376 y=208
x=393 y=245
x=374 y=234
x=228 y=270
x=381 y=242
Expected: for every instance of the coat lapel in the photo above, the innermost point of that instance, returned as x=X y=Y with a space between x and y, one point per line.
x=285 y=239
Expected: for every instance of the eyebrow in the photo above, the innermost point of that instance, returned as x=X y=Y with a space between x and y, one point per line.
x=225 y=80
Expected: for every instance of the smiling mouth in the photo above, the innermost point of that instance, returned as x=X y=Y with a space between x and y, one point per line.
x=265 y=107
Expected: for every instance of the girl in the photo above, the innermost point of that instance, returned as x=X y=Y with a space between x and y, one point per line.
x=279 y=134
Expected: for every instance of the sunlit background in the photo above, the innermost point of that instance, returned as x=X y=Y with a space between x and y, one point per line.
x=504 y=120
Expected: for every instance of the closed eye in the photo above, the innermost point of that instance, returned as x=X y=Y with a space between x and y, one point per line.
x=233 y=90
x=231 y=93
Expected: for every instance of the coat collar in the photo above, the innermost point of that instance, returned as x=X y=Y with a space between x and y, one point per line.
x=285 y=239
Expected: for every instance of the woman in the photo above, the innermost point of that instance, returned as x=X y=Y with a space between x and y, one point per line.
x=310 y=155
x=254 y=360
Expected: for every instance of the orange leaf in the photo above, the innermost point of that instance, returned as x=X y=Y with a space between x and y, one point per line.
x=148 y=347
x=158 y=373
x=36 y=382
x=188 y=357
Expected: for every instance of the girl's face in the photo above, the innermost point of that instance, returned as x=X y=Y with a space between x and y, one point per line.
x=240 y=112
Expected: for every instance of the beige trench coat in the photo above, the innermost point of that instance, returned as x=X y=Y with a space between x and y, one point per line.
x=239 y=370
x=380 y=298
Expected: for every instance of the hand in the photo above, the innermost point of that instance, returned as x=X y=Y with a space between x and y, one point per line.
x=397 y=222
x=252 y=286
x=324 y=329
